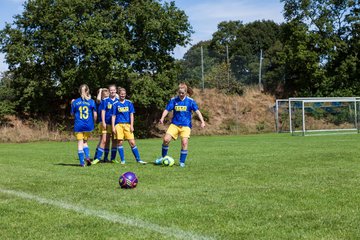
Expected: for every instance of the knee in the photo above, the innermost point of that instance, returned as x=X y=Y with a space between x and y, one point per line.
x=166 y=139
x=184 y=144
x=132 y=144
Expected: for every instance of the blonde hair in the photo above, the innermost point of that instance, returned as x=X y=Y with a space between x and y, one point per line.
x=111 y=85
x=84 y=92
x=186 y=88
x=121 y=89
x=105 y=93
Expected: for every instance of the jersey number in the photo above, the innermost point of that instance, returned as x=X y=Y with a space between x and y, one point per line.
x=84 y=112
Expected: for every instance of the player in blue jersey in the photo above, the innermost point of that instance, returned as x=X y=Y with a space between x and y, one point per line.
x=102 y=94
x=106 y=107
x=123 y=126
x=182 y=107
x=84 y=111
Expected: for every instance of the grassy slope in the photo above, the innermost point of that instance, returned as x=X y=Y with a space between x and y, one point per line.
x=233 y=187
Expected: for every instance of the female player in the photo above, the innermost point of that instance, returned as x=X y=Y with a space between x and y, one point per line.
x=106 y=107
x=84 y=111
x=182 y=107
x=102 y=94
x=123 y=125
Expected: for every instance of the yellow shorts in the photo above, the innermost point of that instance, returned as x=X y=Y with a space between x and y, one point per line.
x=174 y=131
x=108 y=129
x=123 y=132
x=82 y=135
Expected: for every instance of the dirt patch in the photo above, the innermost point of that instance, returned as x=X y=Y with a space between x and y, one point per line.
x=233 y=114
x=224 y=114
x=25 y=131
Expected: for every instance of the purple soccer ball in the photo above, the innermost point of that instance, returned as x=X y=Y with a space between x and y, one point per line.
x=128 y=180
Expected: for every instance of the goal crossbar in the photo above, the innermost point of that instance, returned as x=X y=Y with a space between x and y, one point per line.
x=301 y=103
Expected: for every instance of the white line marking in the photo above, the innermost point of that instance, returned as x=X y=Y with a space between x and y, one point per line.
x=173 y=232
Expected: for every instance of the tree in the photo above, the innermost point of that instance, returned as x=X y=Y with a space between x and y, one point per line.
x=244 y=43
x=320 y=44
x=54 y=46
x=6 y=97
x=221 y=78
x=190 y=65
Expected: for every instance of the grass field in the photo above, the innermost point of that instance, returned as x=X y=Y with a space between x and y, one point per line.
x=271 y=186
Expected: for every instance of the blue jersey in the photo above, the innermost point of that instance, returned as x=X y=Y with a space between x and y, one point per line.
x=83 y=110
x=122 y=111
x=107 y=105
x=182 y=110
x=98 y=120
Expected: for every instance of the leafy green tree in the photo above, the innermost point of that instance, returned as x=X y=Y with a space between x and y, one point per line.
x=221 y=78
x=190 y=65
x=7 y=97
x=321 y=47
x=244 y=43
x=54 y=46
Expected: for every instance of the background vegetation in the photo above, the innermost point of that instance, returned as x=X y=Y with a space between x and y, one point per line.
x=54 y=46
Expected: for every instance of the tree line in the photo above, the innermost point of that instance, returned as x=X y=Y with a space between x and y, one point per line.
x=54 y=46
x=315 y=52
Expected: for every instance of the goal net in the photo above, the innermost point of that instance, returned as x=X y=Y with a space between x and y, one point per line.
x=317 y=115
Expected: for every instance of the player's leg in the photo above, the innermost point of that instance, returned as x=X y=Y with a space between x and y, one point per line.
x=100 y=137
x=100 y=149
x=113 y=139
x=107 y=147
x=113 y=149
x=183 y=151
x=98 y=145
x=165 y=145
x=171 y=133
x=185 y=135
x=80 y=147
x=135 y=151
x=120 y=149
x=119 y=143
x=129 y=135
x=86 y=152
x=164 y=148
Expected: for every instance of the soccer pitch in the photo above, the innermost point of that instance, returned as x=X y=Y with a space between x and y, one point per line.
x=271 y=186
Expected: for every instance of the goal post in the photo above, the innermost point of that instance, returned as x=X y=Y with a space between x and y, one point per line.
x=318 y=115
x=282 y=115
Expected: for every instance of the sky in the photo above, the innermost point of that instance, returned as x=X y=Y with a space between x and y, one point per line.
x=204 y=16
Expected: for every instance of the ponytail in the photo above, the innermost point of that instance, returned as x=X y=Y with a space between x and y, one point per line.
x=187 y=89
x=84 y=92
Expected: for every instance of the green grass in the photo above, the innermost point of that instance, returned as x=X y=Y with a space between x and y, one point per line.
x=271 y=186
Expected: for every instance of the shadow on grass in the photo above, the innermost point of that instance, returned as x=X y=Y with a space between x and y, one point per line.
x=68 y=164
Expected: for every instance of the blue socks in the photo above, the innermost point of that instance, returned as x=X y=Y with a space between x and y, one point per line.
x=99 y=153
x=121 y=153
x=87 y=152
x=96 y=151
x=106 y=154
x=81 y=157
x=113 y=153
x=183 y=155
x=164 y=150
x=136 y=153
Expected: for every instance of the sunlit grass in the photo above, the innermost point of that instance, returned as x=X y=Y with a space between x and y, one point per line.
x=233 y=187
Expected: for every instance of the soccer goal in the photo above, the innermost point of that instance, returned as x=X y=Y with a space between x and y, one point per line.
x=317 y=115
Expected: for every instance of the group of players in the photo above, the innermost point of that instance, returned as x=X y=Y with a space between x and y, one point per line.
x=115 y=116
